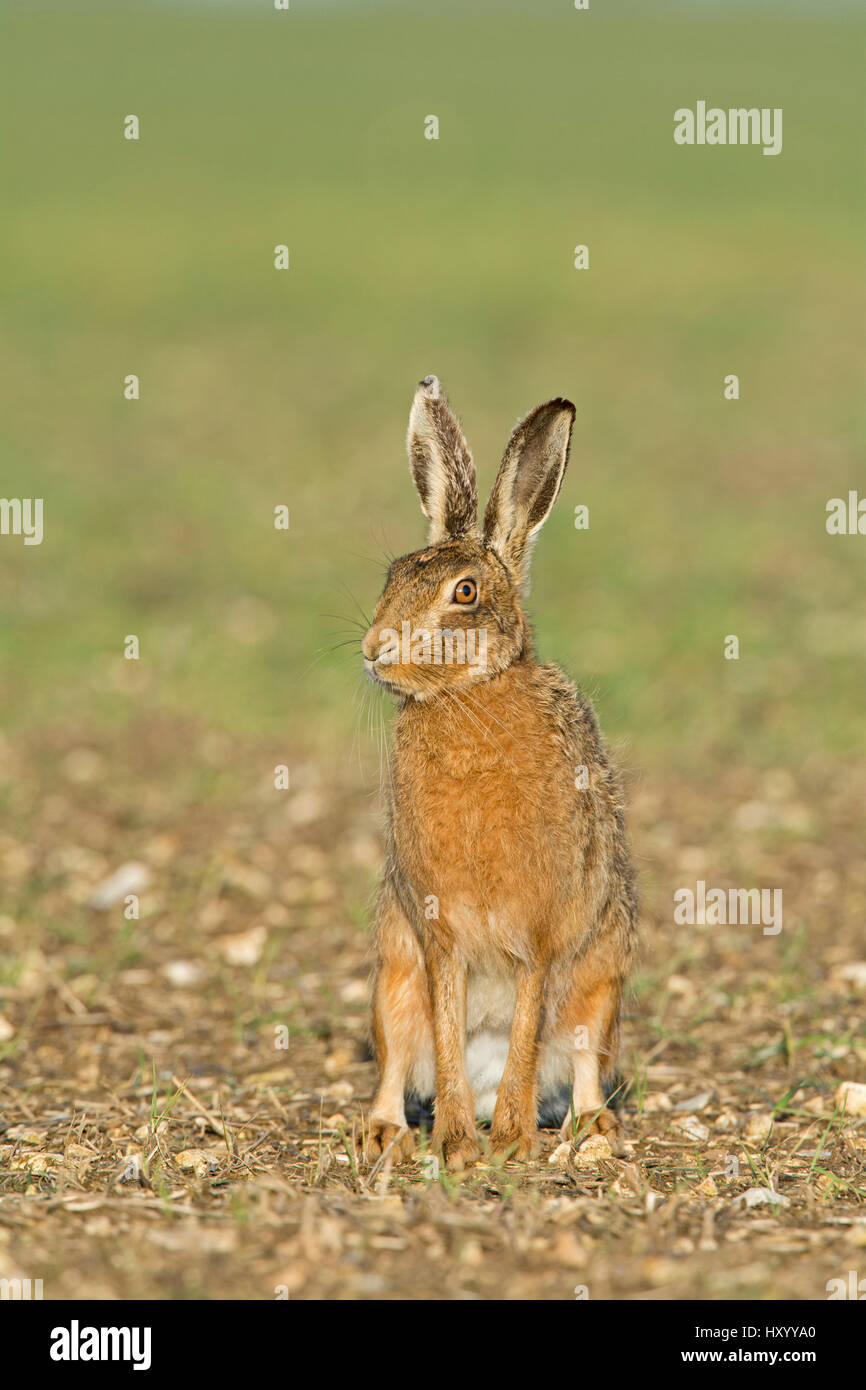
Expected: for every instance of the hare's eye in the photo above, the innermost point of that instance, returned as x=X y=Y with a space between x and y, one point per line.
x=466 y=591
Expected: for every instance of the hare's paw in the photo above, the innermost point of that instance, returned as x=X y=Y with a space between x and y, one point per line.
x=384 y=1133
x=514 y=1132
x=592 y=1122
x=457 y=1145
x=460 y=1152
x=517 y=1144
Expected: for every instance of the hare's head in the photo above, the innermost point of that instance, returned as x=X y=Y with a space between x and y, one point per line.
x=450 y=614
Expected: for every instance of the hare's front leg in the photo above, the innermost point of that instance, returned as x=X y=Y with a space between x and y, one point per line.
x=402 y=1031
x=515 y=1118
x=454 y=1110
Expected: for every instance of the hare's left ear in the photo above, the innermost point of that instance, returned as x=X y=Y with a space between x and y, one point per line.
x=527 y=484
x=441 y=464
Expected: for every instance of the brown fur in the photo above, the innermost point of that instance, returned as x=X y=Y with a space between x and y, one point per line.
x=504 y=880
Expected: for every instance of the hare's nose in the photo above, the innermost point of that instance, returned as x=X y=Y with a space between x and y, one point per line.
x=371 y=643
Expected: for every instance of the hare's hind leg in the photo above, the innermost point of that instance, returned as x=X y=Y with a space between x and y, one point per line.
x=589 y=1022
x=402 y=1029
x=592 y=1017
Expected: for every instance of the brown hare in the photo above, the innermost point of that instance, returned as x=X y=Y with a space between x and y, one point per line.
x=506 y=918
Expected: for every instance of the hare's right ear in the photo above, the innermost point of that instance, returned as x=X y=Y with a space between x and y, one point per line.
x=527 y=484
x=441 y=464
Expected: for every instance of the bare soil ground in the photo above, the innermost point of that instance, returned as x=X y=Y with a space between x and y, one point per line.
x=180 y=1094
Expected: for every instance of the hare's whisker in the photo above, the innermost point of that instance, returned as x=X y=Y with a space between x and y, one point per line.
x=348 y=592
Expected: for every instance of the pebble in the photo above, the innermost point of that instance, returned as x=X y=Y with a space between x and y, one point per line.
x=692 y=1128
x=245 y=948
x=197 y=1161
x=182 y=973
x=591 y=1150
x=659 y=1100
x=132 y=877
x=851 y=1097
x=758 y=1127
x=561 y=1156
x=762 y=1196
x=695 y=1102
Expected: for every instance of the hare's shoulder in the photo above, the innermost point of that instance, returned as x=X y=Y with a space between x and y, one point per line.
x=566 y=704
x=580 y=736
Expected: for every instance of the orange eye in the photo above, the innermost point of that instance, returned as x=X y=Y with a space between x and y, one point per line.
x=466 y=591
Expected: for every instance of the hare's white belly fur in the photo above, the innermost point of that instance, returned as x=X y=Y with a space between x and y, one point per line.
x=490 y=1000
x=490 y=1003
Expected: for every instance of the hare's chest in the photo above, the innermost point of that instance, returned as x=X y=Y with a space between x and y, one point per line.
x=468 y=831
x=482 y=829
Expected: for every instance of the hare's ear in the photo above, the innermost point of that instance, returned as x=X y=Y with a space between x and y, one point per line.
x=527 y=484
x=441 y=464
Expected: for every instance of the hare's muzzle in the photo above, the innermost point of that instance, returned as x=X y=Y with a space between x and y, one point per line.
x=371 y=646
x=379 y=650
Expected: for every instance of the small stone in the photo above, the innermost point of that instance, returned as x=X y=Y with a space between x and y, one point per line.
x=561 y=1156
x=851 y=1097
x=79 y=1151
x=129 y=878
x=727 y=1121
x=43 y=1164
x=339 y=1090
x=656 y=1102
x=181 y=974
x=145 y=1134
x=694 y=1102
x=680 y=984
x=593 y=1149
x=762 y=1196
x=274 y=1076
x=690 y=1126
x=244 y=948
x=25 y=1134
x=197 y=1161
x=758 y=1127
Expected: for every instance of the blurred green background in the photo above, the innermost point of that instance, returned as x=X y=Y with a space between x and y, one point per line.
x=409 y=256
